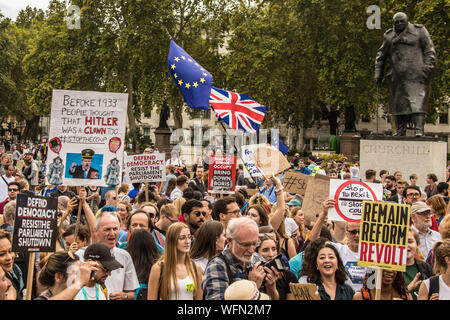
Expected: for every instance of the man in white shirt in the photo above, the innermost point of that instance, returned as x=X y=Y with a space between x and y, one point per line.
x=100 y=256
x=421 y=218
x=123 y=282
x=5 y=180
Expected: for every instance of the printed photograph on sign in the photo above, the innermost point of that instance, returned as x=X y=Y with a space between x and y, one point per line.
x=349 y=196
x=84 y=165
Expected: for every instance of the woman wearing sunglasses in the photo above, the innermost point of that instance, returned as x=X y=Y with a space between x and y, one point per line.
x=175 y=276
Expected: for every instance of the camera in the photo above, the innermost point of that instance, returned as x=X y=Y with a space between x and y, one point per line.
x=278 y=263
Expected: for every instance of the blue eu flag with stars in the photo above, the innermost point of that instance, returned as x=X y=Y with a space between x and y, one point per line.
x=192 y=79
x=277 y=143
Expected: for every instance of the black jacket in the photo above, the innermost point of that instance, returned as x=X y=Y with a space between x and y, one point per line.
x=426 y=271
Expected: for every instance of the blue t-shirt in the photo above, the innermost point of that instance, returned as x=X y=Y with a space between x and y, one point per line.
x=296 y=264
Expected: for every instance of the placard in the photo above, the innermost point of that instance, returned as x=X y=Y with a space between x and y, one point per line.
x=222 y=174
x=145 y=167
x=354 y=174
x=86 y=140
x=349 y=196
x=35 y=224
x=383 y=240
x=296 y=182
x=316 y=193
x=247 y=151
x=269 y=160
x=304 y=291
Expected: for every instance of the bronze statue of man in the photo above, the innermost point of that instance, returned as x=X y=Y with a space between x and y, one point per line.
x=411 y=55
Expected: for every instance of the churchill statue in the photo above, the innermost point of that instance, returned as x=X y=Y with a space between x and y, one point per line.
x=411 y=55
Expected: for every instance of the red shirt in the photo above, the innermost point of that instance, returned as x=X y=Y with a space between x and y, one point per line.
x=3 y=204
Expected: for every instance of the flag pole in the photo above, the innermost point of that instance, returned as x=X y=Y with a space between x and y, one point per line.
x=234 y=146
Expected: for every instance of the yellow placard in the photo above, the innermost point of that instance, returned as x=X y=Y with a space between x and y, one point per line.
x=383 y=238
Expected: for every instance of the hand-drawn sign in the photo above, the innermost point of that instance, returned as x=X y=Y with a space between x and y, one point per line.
x=349 y=197
x=304 y=291
x=296 y=182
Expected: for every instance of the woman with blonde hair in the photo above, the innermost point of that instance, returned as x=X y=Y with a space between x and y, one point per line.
x=299 y=218
x=176 y=276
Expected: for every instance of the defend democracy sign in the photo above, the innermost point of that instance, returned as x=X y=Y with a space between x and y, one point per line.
x=384 y=235
x=35 y=224
x=222 y=174
x=145 y=168
x=86 y=138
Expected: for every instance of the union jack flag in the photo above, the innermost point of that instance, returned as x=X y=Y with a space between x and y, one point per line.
x=238 y=111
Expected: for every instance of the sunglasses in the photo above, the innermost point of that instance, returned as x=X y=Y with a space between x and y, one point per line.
x=353 y=232
x=198 y=213
x=13 y=190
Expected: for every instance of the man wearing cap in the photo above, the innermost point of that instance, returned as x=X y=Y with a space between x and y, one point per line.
x=99 y=256
x=421 y=218
x=123 y=282
x=84 y=171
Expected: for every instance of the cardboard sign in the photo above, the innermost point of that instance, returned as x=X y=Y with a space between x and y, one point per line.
x=304 y=291
x=269 y=160
x=383 y=239
x=86 y=139
x=252 y=192
x=354 y=174
x=349 y=196
x=316 y=193
x=145 y=167
x=296 y=182
x=35 y=224
x=222 y=174
x=249 y=164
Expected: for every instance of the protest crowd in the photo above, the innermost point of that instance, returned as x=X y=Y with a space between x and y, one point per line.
x=174 y=240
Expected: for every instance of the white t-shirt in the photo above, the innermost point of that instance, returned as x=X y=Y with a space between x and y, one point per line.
x=290 y=225
x=91 y=293
x=444 y=290
x=350 y=260
x=183 y=293
x=4 y=187
x=122 y=279
x=202 y=262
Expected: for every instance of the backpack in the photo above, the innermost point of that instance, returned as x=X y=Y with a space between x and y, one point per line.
x=434 y=286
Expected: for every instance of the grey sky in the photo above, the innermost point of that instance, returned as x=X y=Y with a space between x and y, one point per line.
x=10 y=8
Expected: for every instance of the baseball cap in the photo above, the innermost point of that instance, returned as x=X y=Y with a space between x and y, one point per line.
x=419 y=207
x=294 y=202
x=319 y=160
x=100 y=252
x=244 y=290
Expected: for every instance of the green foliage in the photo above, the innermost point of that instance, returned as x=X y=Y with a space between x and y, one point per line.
x=332 y=157
x=138 y=142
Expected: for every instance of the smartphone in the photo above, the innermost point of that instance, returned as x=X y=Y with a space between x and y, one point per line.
x=276 y=262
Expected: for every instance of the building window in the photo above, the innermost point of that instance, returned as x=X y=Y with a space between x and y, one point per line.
x=147 y=133
x=443 y=117
x=205 y=114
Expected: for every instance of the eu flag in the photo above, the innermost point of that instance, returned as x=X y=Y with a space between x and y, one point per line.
x=277 y=143
x=191 y=78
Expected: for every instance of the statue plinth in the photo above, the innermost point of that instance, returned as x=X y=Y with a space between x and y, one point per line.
x=350 y=145
x=162 y=140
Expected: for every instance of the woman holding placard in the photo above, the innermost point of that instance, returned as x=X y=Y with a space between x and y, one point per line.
x=393 y=287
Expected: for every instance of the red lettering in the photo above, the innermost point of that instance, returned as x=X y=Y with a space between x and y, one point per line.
x=114 y=120
x=393 y=256
x=363 y=251
x=387 y=256
x=401 y=256
x=379 y=249
x=370 y=252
